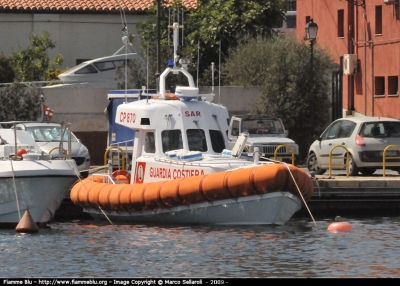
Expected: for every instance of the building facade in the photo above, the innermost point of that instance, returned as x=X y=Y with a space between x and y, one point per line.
x=82 y=30
x=364 y=37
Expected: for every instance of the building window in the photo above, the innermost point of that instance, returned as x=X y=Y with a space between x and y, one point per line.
x=393 y=85
x=291 y=5
x=380 y=86
x=378 y=20
x=291 y=21
x=340 y=16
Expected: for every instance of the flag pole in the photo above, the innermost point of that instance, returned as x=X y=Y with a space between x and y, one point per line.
x=42 y=107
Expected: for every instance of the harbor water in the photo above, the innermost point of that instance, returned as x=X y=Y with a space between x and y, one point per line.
x=302 y=248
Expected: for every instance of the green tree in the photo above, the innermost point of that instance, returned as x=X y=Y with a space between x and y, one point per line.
x=218 y=26
x=212 y=23
x=18 y=102
x=33 y=63
x=136 y=77
x=280 y=66
x=6 y=71
x=148 y=39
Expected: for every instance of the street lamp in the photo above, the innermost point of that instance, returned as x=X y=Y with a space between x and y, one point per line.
x=311 y=34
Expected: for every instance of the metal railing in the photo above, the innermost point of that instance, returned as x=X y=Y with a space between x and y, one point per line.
x=346 y=164
x=122 y=157
x=347 y=157
x=384 y=157
x=292 y=156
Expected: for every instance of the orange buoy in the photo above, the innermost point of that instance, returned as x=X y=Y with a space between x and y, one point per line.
x=27 y=224
x=20 y=152
x=340 y=226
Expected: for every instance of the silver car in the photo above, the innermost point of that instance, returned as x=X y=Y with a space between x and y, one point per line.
x=364 y=137
x=48 y=137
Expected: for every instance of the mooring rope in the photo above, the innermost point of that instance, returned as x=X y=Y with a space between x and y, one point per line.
x=298 y=189
x=81 y=181
x=15 y=190
x=301 y=195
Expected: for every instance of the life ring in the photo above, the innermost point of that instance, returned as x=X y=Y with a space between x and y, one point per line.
x=123 y=173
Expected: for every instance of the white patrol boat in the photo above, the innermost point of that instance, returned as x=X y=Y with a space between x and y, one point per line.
x=182 y=172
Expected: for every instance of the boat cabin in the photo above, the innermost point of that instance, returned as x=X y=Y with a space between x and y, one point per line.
x=163 y=125
x=100 y=71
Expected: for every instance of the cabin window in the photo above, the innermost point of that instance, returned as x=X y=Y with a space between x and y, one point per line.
x=121 y=63
x=171 y=140
x=197 y=140
x=217 y=141
x=149 y=143
x=86 y=69
x=104 y=66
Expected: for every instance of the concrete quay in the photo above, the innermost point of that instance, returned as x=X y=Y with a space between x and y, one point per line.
x=339 y=195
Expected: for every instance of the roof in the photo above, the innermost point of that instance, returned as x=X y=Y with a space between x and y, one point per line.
x=368 y=118
x=82 y=5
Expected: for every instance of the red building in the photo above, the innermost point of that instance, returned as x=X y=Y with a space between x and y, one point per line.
x=363 y=35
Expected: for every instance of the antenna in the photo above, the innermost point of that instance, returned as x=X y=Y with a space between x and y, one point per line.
x=219 y=75
x=173 y=66
x=198 y=61
x=126 y=41
x=183 y=24
x=212 y=77
x=175 y=14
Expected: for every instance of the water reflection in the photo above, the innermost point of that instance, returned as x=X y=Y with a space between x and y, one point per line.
x=297 y=249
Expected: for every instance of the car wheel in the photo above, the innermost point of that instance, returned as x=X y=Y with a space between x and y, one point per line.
x=353 y=169
x=312 y=165
x=368 y=171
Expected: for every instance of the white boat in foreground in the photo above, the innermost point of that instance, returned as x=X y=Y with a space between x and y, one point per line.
x=181 y=172
x=30 y=179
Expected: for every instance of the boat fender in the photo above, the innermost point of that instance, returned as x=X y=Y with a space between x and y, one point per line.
x=20 y=152
x=125 y=173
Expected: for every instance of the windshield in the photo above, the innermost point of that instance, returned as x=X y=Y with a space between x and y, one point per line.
x=262 y=126
x=48 y=133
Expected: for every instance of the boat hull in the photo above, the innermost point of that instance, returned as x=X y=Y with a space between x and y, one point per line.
x=38 y=186
x=275 y=208
x=262 y=194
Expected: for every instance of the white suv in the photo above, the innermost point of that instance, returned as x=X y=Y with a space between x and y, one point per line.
x=48 y=137
x=364 y=137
